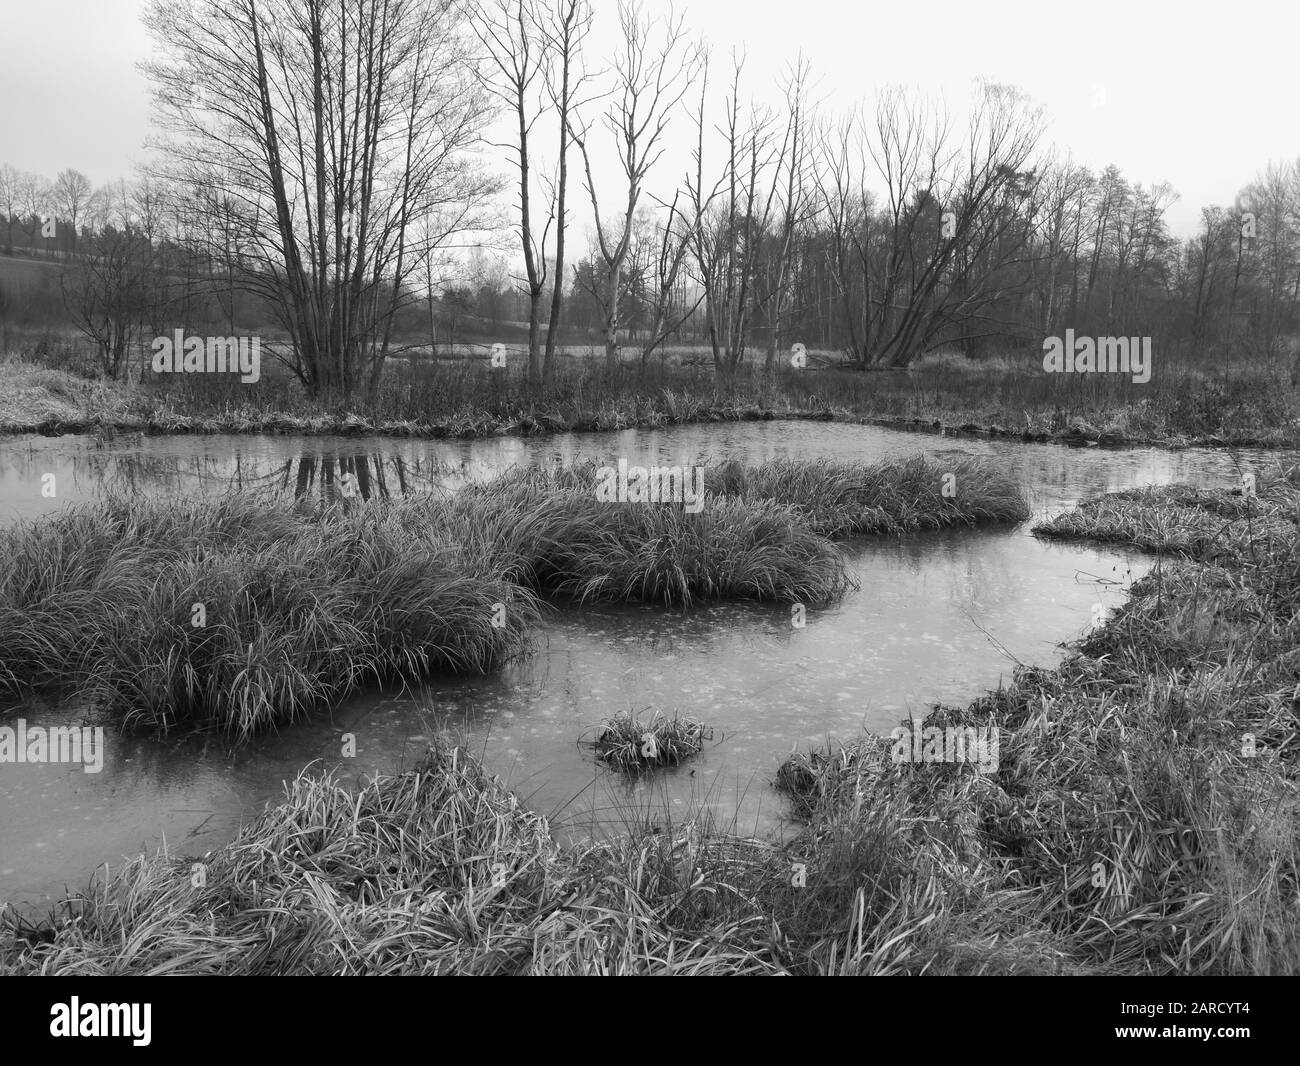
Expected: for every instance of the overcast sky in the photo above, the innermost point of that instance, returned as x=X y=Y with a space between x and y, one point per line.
x=1197 y=97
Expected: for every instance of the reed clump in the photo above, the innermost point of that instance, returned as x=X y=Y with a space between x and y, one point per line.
x=564 y=541
x=842 y=497
x=239 y=614
x=1191 y=523
x=625 y=742
x=810 y=779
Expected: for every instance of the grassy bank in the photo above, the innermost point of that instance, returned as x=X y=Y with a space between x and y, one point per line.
x=34 y=396
x=1142 y=819
x=240 y=614
x=1241 y=405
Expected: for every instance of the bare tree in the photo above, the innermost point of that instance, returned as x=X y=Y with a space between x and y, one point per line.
x=1055 y=222
x=10 y=183
x=662 y=276
x=849 y=211
x=565 y=31
x=936 y=256
x=1273 y=201
x=106 y=286
x=327 y=130
x=728 y=240
x=529 y=60
x=796 y=205
x=71 y=196
x=655 y=68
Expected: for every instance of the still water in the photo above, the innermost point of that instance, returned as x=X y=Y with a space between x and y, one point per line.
x=938 y=617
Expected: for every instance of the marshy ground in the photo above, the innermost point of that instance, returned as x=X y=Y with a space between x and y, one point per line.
x=1142 y=818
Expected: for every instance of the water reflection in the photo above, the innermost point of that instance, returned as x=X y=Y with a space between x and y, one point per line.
x=330 y=467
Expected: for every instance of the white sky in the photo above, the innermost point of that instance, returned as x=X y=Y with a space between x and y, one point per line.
x=1199 y=96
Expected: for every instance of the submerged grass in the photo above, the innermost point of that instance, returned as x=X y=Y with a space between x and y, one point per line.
x=626 y=743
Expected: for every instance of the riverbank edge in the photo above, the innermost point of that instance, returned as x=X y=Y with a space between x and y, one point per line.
x=353 y=425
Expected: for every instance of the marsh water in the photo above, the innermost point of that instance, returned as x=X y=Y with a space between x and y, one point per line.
x=937 y=617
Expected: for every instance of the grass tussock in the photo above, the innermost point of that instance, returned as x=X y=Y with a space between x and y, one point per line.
x=566 y=542
x=841 y=497
x=33 y=394
x=626 y=743
x=1198 y=524
x=241 y=615
x=438 y=870
x=809 y=778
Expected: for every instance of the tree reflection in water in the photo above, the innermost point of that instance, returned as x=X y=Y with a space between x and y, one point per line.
x=324 y=475
x=365 y=475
